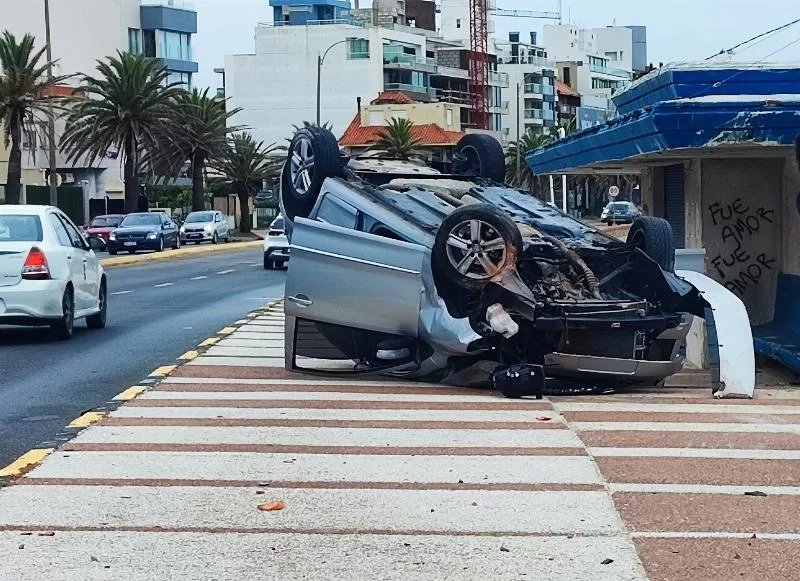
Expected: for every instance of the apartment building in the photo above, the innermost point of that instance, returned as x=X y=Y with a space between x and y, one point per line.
x=597 y=63
x=83 y=32
x=364 y=52
x=530 y=94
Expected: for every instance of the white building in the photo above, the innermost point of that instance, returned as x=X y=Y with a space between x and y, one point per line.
x=276 y=86
x=83 y=32
x=531 y=91
x=597 y=63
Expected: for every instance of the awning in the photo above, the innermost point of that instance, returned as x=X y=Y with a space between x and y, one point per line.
x=670 y=128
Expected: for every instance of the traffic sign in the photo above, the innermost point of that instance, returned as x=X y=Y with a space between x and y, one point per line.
x=613 y=191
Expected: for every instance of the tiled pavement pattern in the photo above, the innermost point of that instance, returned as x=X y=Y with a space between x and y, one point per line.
x=406 y=481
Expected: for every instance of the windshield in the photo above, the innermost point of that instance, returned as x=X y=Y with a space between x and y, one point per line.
x=200 y=217
x=20 y=228
x=141 y=220
x=618 y=206
x=106 y=222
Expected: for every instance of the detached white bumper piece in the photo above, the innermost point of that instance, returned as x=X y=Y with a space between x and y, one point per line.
x=730 y=340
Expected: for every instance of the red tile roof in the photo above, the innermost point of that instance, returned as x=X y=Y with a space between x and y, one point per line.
x=388 y=97
x=430 y=134
x=564 y=89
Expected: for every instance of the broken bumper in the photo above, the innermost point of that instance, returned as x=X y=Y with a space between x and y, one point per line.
x=587 y=366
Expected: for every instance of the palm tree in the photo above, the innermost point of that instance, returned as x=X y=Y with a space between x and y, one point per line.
x=397 y=140
x=25 y=90
x=202 y=123
x=522 y=176
x=245 y=165
x=128 y=105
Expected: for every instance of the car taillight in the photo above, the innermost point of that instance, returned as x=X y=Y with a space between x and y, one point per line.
x=35 y=266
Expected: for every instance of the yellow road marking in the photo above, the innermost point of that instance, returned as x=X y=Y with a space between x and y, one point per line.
x=130 y=393
x=209 y=342
x=189 y=355
x=163 y=371
x=226 y=331
x=86 y=420
x=25 y=463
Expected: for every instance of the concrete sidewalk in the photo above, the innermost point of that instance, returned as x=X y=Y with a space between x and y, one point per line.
x=407 y=481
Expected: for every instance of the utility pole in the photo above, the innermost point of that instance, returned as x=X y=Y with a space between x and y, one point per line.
x=519 y=145
x=319 y=84
x=51 y=122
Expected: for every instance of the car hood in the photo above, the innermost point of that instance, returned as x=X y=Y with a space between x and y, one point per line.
x=138 y=230
x=100 y=230
x=197 y=225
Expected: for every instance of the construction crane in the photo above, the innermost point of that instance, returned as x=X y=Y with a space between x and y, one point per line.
x=479 y=53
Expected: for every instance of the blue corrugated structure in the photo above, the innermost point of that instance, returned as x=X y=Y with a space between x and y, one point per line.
x=302 y=12
x=780 y=339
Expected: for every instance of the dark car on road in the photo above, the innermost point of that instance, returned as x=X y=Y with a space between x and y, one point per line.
x=620 y=213
x=144 y=231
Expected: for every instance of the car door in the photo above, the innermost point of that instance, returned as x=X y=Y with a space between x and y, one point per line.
x=346 y=291
x=221 y=225
x=71 y=257
x=168 y=231
x=89 y=286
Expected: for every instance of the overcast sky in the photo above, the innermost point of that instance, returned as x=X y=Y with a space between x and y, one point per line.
x=677 y=30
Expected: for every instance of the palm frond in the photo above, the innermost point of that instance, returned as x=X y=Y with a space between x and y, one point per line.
x=397 y=140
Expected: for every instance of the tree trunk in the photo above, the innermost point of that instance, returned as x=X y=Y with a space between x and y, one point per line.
x=130 y=177
x=198 y=197
x=14 y=177
x=244 y=208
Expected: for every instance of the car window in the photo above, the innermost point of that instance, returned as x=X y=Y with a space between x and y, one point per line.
x=20 y=228
x=60 y=230
x=105 y=222
x=199 y=217
x=75 y=238
x=141 y=220
x=334 y=211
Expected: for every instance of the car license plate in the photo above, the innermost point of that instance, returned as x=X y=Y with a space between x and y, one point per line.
x=130 y=243
x=195 y=235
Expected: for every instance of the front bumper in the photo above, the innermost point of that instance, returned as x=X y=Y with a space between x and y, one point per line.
x=139 y=244
x=277 y=253
x=587 y=367
x=31 y=300
x=197 y=236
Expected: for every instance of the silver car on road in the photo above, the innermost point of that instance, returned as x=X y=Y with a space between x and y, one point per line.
x=207 y=226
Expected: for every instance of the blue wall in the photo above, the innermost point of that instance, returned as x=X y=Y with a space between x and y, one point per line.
x=166 y=18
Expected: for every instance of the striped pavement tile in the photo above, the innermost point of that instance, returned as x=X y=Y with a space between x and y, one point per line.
x=403 y=480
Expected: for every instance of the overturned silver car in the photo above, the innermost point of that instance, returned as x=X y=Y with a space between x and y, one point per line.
x=401 y=269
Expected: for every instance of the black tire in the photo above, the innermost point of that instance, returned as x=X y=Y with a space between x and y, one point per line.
x=63 y=328
x=214 y=239
x=131 y=252
x=654 y=237
x=160 y=244
x=177 y=244
x=98 y=321
x=301 y=185
x=112 y=252
x=268 y=264
x=480 y=155
x=493 y=225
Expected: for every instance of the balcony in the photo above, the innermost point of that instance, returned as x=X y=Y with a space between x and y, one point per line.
x=500 y=108
x=533 y=89
x=347 y=21
x=533 y=114
x=498 y=79
x=452 y=96
x=620 y=73
x=409 y=88
x=395 y=58
x=527 y=60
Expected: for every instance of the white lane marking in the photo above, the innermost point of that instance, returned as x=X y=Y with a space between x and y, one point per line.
x=698 y=488
x=226 y=271
x=165 y=284
x=198 y=278
x=741 y=454
x=121 y=293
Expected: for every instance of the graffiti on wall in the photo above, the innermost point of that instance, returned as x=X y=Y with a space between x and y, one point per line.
x=738 y=267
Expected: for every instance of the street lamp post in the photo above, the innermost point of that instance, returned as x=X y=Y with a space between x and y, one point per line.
x=320 y=61
x=51 y=123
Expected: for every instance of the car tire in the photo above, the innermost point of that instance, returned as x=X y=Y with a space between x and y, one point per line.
x=63 y=328
x=654 y=237
x=112 y=252
x=476 y=227
x=480 y=155
x=268 y=264
x=214 y=238
x=131 y=252
x=98 y=321
x=313 y=157
x=160 y=244
x=177 y=244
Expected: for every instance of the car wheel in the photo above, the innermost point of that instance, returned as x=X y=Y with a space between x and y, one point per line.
x=313 y=157
x=98 y=321
x=112 y=252
x=160 y=244
x=131 y=252
x=214 y=238
x=474 y=244
x=654 y=237
x=481 y=155
x=62 y=329
x=177 y=244
x=268 y=264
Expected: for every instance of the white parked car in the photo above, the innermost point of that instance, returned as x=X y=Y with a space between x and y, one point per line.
x=49 y=275
x=276 y=245
x=209 y=226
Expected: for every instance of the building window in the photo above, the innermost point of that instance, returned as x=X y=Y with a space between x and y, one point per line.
x=458 y=23
x=449 y=117
x=358 y=48
x=175 y=45
x=184 y=80
x=133 y=41
x=399 y=114
x=566 y=77
x=149 y=43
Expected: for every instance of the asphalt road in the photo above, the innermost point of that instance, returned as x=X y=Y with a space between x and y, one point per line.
x=157 y=312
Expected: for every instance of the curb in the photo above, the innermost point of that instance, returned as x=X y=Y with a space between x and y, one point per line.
x=177 y=254
x=32 y=458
